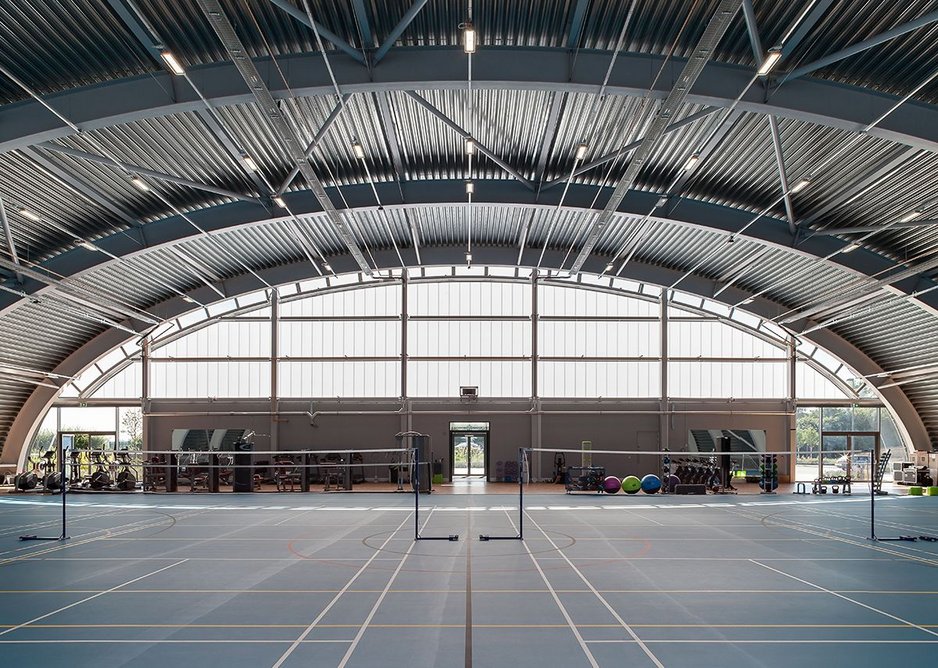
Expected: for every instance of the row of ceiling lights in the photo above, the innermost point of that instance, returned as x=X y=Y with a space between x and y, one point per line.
x=470 y=42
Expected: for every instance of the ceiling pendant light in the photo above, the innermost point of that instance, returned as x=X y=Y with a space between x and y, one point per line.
x=581 y=149
x=469 y=38
x=26 y=213
x=358 y=150
x=140 y=184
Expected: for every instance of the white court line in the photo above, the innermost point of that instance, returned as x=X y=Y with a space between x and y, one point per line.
x=227 y=641
x=89 y=598
x=847 y=598
x=560 y=605
x=309 y=629
x=381 y=597
x=726 y=641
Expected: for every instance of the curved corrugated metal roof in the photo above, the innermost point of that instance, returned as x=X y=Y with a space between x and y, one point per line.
x=858 y=181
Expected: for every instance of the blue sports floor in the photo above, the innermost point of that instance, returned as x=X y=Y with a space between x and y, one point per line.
x=337 y=580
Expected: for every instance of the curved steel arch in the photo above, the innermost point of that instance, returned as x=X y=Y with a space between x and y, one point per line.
x=158 y=94
x=685 y=211
x=42 y=398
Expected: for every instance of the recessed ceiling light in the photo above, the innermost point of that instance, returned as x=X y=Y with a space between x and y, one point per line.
x=771 y=58
x=172 y=63
x=801 y=185
x=249 y=162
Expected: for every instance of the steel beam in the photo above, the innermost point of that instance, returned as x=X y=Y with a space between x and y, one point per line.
x=753 y=29
x=465 y=135
x=249 y=73
x=332 y=118
x=143 y=171
x=704 y=152
x=863 y=229
x=398 y=30
x=860 y=47
x=702 y=53
x=576 y=23
x=817 y=11
x=83 y=188
x=324 y=32
x=132 y=99
x=364 y=25
x=603 y=159
x=550 y=134
x=140 y=31
x=8 y=235
x=390 y=133
x=782 y=175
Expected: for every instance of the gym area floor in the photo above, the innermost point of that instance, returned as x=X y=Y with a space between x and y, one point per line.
x=337 y=580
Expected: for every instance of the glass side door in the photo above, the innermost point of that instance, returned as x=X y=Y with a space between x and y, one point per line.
x=468 y=453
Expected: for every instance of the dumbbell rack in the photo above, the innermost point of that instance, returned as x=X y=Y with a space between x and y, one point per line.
x=769 y=474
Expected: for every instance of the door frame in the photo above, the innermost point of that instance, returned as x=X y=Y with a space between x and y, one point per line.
x=452 y=450
x=877 y=446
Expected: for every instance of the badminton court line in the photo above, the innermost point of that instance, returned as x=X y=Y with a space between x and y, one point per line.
x=335 y=599
x=847 y=598
x=596 y=593
x=560 y=605
x=89 y=598
x=374 y=609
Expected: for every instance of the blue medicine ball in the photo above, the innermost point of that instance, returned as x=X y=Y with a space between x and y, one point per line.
x=651 y=483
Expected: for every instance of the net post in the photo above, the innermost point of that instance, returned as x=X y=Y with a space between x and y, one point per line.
x=872 y=505
x=64 y=486
x=521 y=493
x=520 y=535
x=416 y=483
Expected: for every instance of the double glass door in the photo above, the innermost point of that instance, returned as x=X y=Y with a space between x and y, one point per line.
x=468 y=454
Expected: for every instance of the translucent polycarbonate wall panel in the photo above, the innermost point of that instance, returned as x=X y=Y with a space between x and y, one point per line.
x=88 y=418
x=469 y=298
x=586 y=379
x=337 y=338
x=443 y=379
x=184 y=380
x=744 y=380
x=555 y=300
x=591 y=338
x=126 y=384
x=810 y=384
x=473 y=338
x=339 y=379
x=222 y=339
x=377 y=300
x=709 y=338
